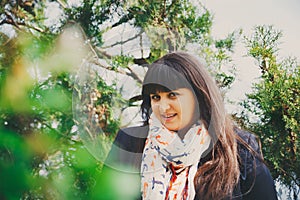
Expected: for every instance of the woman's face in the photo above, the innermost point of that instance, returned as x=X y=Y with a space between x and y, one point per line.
x=174 y=109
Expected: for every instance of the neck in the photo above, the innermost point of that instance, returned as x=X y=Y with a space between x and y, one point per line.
x=181 y=133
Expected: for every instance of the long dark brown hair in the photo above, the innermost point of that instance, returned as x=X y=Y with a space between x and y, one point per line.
x=216 y=178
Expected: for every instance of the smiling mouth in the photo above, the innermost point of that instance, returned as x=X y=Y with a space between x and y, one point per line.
x=168 y=117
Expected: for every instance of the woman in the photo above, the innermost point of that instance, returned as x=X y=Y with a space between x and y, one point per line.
x=188 y=147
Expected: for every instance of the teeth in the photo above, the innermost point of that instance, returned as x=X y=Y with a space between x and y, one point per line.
x=168 y=116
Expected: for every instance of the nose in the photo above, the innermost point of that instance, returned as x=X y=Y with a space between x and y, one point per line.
x=164 y=105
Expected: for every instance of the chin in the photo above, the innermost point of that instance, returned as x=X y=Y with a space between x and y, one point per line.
x=172 y=129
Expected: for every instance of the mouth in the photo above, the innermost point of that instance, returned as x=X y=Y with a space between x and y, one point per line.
x=168 y=117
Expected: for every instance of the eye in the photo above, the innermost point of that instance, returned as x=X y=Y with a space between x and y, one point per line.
x=173 y=95
x=155 y=97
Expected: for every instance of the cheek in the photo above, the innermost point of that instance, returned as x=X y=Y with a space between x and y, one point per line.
x=188 y=108
x=155 y=108
x=153 y=105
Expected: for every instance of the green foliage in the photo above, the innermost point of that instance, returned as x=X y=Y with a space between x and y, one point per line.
x=274 y=103
x=15 y=157
x=121 y=61
x=36 y=47
x=7 y=51
x=91 y=15
x=23 y=14
x=264 y=43
x=41 y=155
x=56 y=128
x=167 y=14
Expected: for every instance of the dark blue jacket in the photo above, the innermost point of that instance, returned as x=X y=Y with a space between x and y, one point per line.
x=255 y=182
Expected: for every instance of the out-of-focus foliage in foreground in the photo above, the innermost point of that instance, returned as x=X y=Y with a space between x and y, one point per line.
x=41 y=154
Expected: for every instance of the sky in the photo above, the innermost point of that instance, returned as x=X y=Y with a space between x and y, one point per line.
x=234 y=14
x=230 y=15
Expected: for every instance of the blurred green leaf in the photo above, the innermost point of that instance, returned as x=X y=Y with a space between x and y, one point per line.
x=15 y=165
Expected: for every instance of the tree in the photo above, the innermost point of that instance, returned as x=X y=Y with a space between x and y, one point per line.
x=53 y=152
x=272 y=109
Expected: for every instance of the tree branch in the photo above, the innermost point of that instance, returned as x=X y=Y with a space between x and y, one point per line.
x=100 y=53
x=132 y=74
x=62 y=4
x=125 y=41
x=11 y=21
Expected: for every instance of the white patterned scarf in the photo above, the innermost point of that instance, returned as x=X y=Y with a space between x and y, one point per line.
x=169 y=163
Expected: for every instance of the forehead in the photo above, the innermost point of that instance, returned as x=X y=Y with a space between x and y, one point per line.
x=162 y=78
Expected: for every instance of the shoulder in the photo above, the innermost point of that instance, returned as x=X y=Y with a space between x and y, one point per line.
x=123 y=163
x=127 y=148
x=132 y=138
x=249 y=139
x=249 y=152
x=256 y=181
x=135 y=131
